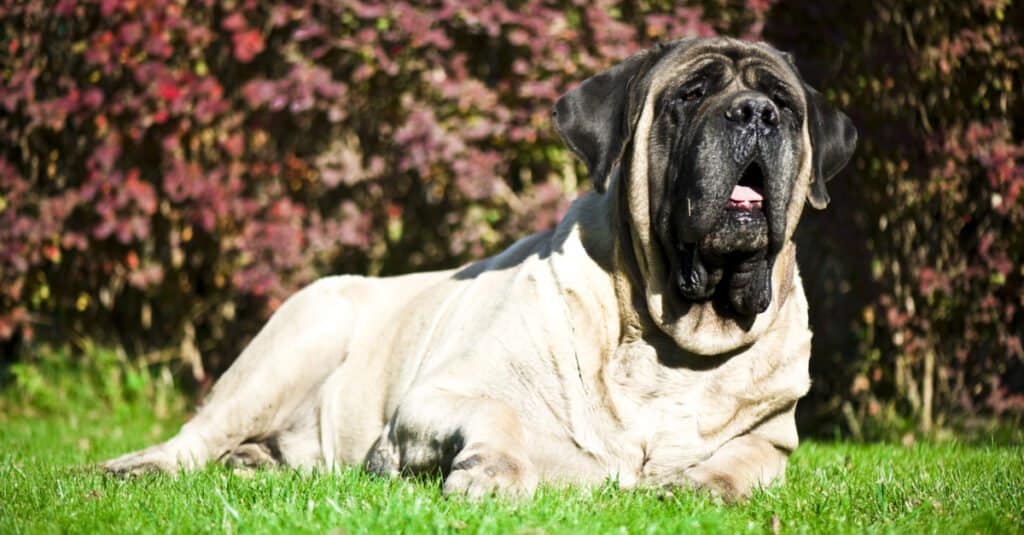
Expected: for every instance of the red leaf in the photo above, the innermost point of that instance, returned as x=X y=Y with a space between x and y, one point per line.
x=131 y=33
x=108 y=6
x=234 y=145
x=168 y=91
x=247 y=45
x=64 y=8
x=234 y=22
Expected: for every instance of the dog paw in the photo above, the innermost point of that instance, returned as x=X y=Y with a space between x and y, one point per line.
x=149 y=460
x=382 y=459
x=179 y=453
x=249 y=455
x=478 y=474
x=719 y=484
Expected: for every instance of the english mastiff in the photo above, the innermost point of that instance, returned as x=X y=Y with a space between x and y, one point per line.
x=658 y=335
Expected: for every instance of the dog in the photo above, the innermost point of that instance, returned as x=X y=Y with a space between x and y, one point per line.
x=657 y=336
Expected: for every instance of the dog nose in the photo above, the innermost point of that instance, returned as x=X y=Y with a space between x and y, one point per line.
x=749 y=110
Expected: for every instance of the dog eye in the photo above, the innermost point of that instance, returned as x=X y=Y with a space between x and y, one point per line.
x=691 y=92
x=783 y=102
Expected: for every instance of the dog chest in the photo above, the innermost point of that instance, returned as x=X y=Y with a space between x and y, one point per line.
x=682 y=409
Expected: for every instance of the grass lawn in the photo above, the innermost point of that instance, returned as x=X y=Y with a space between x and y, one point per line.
x=46 y=484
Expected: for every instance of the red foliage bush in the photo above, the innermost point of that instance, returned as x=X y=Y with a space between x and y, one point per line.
x=169 y=167
x=925 y=255
x=169 y=171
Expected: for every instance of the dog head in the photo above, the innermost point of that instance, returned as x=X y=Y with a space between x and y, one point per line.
x=717 y=144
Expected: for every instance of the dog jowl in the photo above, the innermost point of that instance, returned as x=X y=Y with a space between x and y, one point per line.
x=658 y=335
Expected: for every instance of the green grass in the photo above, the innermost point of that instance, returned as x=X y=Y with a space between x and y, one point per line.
x=54 y=424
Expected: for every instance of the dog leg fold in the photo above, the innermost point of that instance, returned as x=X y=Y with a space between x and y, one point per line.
x=476 y=442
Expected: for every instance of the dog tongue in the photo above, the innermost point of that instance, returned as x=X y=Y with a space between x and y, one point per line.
x=743 y=194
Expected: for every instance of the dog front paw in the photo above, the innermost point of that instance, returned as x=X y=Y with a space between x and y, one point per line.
x=181 y=453
x=476 y=474
x=149 y=460
x=728 y=487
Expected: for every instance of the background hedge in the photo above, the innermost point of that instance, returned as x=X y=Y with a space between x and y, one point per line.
x=171 y=170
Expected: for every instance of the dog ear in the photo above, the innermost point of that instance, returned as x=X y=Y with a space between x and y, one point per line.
x=595 y=119
x=833 y=139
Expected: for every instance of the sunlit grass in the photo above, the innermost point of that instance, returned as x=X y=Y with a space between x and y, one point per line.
x=47 y=485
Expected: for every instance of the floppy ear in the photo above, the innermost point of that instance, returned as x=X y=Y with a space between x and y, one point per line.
x=833 y=139
x=595 y=120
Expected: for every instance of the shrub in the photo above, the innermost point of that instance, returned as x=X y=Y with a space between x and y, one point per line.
x=170 y=171
x=923 y=252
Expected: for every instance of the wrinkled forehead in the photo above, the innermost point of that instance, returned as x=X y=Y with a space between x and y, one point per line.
x=690 y=56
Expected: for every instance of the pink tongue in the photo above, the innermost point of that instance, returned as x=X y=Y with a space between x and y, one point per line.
x=745 y=194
